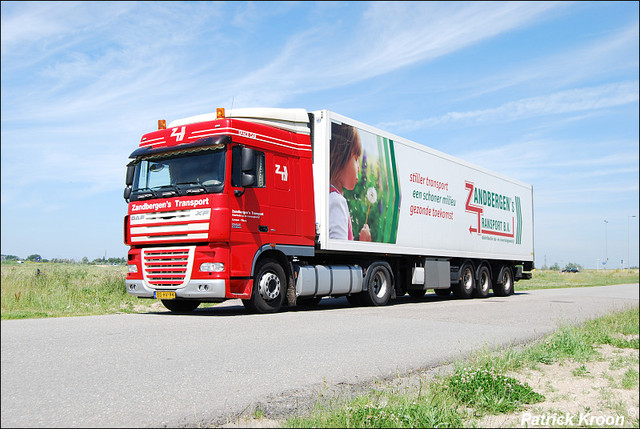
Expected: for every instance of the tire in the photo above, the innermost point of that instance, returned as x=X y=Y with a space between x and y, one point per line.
x=180 y=305
x=483 y=283
x=379 y=287
x=416 y=293
x=308 y=301
x=442 y=292
x=467 y=283
x=503 y=285
x=269 y=289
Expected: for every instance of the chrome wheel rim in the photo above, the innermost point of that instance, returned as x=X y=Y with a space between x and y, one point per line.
x=484 y=282
x=467 y=280
x=507 y=282
x=380 y=284
x=269 y=286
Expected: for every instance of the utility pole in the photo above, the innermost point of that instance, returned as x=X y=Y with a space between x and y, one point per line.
x=606 y=252
x=628 y=240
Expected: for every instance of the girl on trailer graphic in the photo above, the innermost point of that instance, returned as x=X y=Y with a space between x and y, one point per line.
x=345 y=152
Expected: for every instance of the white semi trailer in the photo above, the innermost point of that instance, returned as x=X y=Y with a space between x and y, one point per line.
x=311 y=204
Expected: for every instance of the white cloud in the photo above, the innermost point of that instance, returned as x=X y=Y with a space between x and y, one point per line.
x=387 y=37
x=594 y=58
x=398 y=34
x=562 y=102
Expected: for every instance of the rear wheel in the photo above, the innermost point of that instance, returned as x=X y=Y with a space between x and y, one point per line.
x=467 y=282
x=269 y=289
x=180 y=305
x=504 y=284
x=483 y=283
x=378 y=282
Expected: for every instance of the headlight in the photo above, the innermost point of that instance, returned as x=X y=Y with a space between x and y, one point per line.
x=214 y=267
x=133 y=268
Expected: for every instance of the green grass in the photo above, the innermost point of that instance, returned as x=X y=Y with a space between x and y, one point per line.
x=479 y=386
x=35 y=290
x=630 y=379
x=383 y=410
x=38 y=290
x=487 y=391
x=547 y=279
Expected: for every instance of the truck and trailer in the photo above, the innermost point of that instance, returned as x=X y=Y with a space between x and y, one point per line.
x=282 y=207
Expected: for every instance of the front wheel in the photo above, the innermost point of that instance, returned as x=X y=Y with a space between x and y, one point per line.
x=180 y=305
x=269 y=289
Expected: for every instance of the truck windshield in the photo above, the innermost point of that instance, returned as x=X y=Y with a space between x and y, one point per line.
x=179 y=174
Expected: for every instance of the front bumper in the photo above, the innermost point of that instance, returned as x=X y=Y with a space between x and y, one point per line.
x=194 y=289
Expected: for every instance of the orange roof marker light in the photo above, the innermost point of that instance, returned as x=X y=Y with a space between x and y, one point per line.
x=220 y=113
x=162 y=124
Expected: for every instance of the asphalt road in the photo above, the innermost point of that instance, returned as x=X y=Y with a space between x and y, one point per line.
x=137 y=370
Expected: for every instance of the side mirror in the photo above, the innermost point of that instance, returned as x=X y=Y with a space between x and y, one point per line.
x=244 y=165
x=130 y=171
x=248 y=159
x=127 y=193
x=248 y=179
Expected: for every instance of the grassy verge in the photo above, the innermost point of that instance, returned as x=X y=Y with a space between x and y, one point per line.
x=547 y=279
x=491 y=384
x=36 y=290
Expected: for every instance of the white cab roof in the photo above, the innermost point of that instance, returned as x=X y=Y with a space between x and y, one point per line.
x=295 y=120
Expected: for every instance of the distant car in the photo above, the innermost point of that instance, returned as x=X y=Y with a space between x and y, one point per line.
x=571 y=270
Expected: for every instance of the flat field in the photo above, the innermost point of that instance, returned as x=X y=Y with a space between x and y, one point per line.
x=35 y=290
x=547 y=279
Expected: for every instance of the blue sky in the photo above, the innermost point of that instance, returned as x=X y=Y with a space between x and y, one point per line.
x=544 y=92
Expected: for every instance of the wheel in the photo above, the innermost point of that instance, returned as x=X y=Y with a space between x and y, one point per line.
x=467 y=283
x=504 y=284
x=483 y=283
x=180 y=305
x=308 y=301
x=416 y=293
x=269 y=289
x=378 y=281
x=442 y=292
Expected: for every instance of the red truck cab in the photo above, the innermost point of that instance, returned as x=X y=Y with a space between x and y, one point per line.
x=214 y=198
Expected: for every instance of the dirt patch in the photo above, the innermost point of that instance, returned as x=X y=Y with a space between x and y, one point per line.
x=599 y=393
x=155 y=307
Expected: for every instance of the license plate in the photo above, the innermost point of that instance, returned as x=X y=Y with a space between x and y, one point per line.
x=165 y=294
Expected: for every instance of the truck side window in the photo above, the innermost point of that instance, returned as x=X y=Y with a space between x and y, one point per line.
x=258 y=168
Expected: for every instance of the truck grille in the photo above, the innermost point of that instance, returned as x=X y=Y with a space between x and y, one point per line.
x=167 y=267
x=179 y=225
